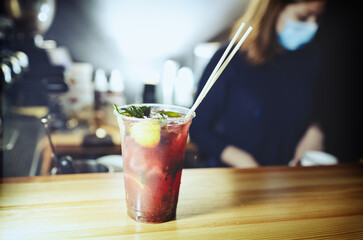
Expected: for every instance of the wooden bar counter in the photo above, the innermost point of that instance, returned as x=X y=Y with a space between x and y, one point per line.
x=222 y=203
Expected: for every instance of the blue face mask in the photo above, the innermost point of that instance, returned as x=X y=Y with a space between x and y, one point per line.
x=296 y=34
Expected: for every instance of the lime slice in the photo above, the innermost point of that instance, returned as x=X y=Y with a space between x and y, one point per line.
x=134 y=180
x=146 y=133
x=172 y=114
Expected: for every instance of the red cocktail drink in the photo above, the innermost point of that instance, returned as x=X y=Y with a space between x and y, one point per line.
x=153 y=150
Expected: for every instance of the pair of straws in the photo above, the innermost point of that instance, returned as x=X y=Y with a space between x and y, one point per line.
x=221 y=65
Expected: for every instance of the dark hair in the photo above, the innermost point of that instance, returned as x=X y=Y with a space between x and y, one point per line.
x=261 y=45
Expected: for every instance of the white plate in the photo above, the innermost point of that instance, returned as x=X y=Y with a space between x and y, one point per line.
x=112 y=160
x=311 y=158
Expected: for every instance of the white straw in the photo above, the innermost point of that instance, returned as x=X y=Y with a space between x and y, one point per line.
x=204 y=90
x=221 y=69
x=218 y=70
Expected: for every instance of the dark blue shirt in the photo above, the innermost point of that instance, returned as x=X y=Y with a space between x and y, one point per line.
x=263 y=109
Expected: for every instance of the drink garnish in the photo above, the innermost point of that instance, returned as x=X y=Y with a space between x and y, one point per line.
x=146 y=133
x=162 y=116
x=172 y=114
x=145 y=112
x=134 y=111
x=115 y=106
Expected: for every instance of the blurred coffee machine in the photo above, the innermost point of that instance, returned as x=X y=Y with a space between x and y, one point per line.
x=28 y=79
x=23 y=23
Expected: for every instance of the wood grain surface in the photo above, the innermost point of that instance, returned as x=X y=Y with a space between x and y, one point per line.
x=224 y=203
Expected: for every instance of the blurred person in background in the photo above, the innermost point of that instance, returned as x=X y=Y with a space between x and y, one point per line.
x=260 y=111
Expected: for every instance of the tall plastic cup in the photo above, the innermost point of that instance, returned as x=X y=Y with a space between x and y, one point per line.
x=153 y=153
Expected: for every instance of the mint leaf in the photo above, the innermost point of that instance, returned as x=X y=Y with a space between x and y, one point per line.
x=134 y=111
x=146 y=110
x=115 y=106
x=162 y=115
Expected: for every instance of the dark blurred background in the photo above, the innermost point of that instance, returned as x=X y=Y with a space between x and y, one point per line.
x=341 y=102
x=71 y=58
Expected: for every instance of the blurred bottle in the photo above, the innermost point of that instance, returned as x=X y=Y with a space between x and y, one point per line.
x=184 y=87
x=77 y=103
x=116 y=88
x=149 y=93
x=169 y=76
x=115 y=95
x=101 y=89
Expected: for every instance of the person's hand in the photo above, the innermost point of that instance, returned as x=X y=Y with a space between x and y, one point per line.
x=312 y=140
x=236 y=157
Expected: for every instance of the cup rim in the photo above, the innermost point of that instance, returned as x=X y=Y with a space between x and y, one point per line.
x=184 y=110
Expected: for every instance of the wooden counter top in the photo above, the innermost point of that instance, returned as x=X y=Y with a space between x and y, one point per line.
x=261 y=203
